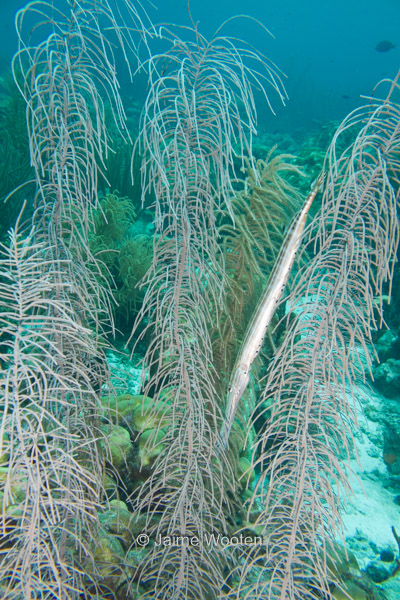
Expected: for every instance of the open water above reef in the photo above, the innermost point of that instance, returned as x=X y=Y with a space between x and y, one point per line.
x=327 y=50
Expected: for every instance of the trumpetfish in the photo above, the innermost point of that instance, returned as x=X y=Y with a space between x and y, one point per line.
x=264 y=312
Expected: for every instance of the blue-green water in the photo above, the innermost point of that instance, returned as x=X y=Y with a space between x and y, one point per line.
x=327 y=49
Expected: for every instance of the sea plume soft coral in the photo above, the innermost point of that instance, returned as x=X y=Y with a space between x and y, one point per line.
x=301 y=452
x=200 y=101
x=54 y=304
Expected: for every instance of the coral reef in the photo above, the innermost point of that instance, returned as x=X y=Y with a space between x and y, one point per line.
x=124 y=256
x=87 y=473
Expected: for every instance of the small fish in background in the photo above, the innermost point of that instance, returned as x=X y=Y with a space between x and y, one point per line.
x=385 y=46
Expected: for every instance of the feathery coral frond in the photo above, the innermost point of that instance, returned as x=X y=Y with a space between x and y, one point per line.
x=47 y=490
x=309 y=430
x=200 y=101
x=54 y=303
